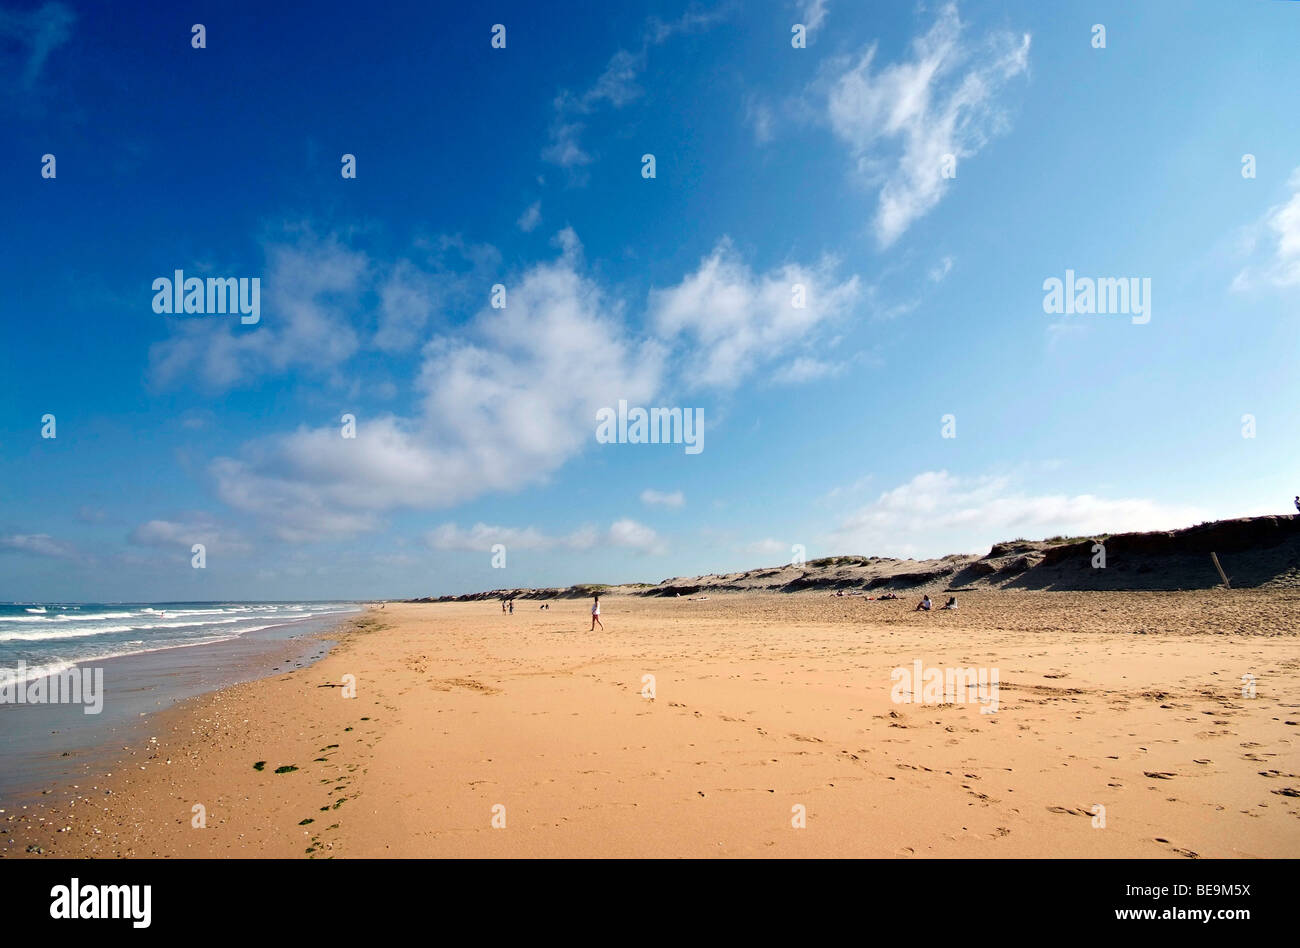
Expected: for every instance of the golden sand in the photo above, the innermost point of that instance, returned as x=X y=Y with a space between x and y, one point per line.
x=763 y=704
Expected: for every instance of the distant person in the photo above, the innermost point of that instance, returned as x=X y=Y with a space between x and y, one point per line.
x=925 y=605
x=951 y=603
x=503 y=606
x=512 y=607
x=595 y=614
x=1297 y=505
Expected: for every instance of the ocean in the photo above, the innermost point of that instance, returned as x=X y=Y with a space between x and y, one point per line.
x=38 y=639
x=132 y=666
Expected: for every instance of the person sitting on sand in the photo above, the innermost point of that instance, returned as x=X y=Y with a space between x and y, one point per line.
x=924 y=604
x=595 y=614
x=951 y=603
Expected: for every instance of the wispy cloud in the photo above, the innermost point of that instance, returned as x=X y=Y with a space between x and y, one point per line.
x=482 y=537
x=38 y=544
x=1279 y=231
x=324 y=302
x=768 y=546
x=313 y=286
x=814 y=15
x=185 y=532
x=807 y=369
x=530 y=218
x=658 y=498
x=617 y=85
x=900 y=120
x=38 y=33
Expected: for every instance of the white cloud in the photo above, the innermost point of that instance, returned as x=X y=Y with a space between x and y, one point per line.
x=737 y=320
x=506 y=401
x=806 y=369
x=195 y=528
x=530 y=218
x=510 y=396
x=900 y=121
x=652 y=498
x=1280 y=229
x=481 y=537
x=939 y=272
x=40 y=544
x=936 y=513
x=636 y=536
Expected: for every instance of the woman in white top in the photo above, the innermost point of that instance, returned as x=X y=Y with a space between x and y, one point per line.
x=595 y=614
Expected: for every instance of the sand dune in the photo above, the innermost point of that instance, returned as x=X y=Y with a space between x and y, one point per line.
x=1255 y=552
x=763 y=703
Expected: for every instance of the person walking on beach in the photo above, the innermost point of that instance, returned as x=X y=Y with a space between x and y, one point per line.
x=595 y=614
x=512 y=607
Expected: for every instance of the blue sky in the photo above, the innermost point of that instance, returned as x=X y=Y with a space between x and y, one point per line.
x=522 y=166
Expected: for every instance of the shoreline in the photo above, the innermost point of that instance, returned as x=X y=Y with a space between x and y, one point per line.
x=49 y=746
x=1130 y=701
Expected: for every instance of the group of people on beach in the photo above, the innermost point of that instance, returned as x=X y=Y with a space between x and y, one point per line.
x=508 y=606
x=925 y=605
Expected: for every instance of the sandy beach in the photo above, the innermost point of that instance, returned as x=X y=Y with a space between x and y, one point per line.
x=763 y=704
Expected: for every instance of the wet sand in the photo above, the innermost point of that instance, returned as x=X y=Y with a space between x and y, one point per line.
x=51 y=744
x=763 y=703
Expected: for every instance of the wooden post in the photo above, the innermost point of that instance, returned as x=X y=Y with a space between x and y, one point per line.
x=1222 y=576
